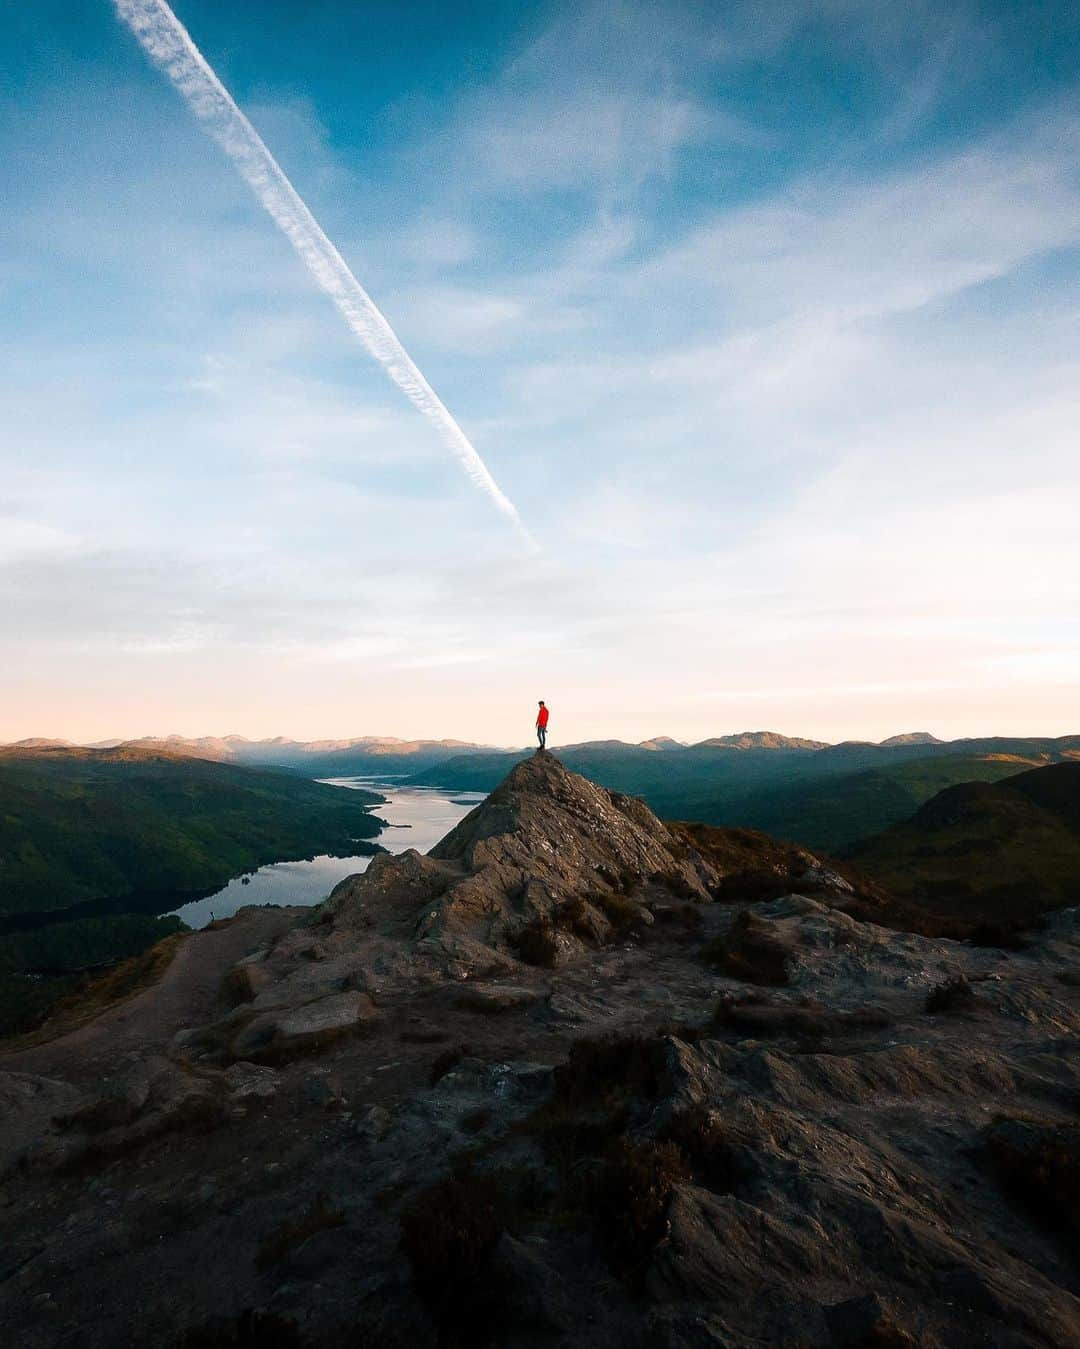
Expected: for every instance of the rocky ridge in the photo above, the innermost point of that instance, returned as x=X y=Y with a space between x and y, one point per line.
x=576 y=1077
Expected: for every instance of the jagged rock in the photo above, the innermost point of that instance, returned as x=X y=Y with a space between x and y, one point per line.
x=278 y=1035
x=246 y=1080
x=546 y=839
x=121 y=1099
x=807 y=1018
x=247 y=979
x=719 y=1247
x=536 y=1294
x=153 y=1097
x=372 y=1124
x=493 y=998
x=28 y=1106
x=393 y=886
x=867 y=1319
x=325 y=1091
x=283 y=1030
x=460 y=956
x=319 y=1253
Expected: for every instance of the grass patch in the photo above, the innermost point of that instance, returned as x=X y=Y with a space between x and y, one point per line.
x=630 y=1195
x=618 y=1185
x=236 y=987
x=91 y=997
x=603 y=1070
x=593 y=1099
x=719 y=1154
x=41 y=967
x=449 y=1233
x=621 y=912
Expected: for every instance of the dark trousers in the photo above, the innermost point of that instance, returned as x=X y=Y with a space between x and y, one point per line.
x=541 y=735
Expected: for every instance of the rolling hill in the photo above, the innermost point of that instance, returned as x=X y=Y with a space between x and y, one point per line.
x=834 y=812
x=826 y=797
x=80 y=824
x=999 y=852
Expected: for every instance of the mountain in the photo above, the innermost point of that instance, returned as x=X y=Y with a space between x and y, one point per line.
x=759 y=740
x=912 y=738
x=574 y=1078
x=349 y=757
x=79 y=824
x=218 y=748
x=1001 y=851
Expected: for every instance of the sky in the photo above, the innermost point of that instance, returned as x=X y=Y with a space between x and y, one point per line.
x=765 y=316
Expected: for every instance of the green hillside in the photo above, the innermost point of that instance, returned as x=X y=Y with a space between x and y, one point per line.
x=833 y=813
x=81 y=824
x=38 y=968
x=996 y=852
x=826 y=798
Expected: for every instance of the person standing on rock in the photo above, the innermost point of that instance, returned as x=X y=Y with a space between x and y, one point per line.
x=541 y=724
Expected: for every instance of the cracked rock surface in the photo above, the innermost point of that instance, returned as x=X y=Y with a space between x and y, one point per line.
x=568 y=1080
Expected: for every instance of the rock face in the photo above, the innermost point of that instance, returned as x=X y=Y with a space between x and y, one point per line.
x=542 y=841
x=576 y=1078
x=545 y=838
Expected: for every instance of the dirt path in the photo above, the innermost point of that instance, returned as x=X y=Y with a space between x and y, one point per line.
x=187 y=994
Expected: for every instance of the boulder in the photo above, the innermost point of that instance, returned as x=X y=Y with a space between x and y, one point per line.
x=274 y=1036
x=28 y=1107
x=155 y=1096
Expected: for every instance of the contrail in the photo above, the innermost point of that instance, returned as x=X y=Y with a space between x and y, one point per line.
x=169 y=45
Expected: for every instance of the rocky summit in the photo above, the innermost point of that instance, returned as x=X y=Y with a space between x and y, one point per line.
x=576 y=1077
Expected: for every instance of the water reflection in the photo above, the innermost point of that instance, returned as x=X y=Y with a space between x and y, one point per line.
x=417 y=818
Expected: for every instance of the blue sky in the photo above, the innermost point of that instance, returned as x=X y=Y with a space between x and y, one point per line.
x=765 y=316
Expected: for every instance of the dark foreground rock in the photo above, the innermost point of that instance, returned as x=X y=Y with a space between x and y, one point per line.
x=575 y=1078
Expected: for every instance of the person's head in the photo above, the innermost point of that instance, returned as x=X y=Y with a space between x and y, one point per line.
x=541 y=702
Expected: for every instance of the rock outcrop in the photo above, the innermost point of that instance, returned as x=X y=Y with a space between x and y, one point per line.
x=576 y=1077
x=544 y=839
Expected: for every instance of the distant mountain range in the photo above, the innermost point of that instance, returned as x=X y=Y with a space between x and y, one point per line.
x=363 y=751
x=379 y=749
x=824 y=795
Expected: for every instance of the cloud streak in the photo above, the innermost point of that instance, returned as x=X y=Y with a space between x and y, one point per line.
x=170 y=47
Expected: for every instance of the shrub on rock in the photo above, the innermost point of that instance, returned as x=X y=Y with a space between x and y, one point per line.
x=754 y=951
x=538 y=944
x=449 y=1233
x=631 y=1194
x=1040 y=1165
x=954 y=995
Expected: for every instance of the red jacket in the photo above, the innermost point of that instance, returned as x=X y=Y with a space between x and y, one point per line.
x=542 y=717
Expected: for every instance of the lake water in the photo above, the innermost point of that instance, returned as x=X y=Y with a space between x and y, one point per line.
x=417 y=817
